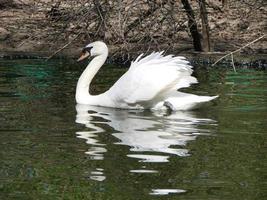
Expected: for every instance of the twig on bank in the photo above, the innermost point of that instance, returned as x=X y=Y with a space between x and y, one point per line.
x=56 y=52
x=233 y=63
x=231 y=53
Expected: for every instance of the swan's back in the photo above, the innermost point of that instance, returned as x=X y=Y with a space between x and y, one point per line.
x=151 y=79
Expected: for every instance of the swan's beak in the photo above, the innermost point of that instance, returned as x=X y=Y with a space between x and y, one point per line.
x=83 y=56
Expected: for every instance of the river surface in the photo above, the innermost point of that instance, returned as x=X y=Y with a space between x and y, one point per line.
x=51 y=148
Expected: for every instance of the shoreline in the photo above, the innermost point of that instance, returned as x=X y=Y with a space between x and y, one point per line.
x=258 y=61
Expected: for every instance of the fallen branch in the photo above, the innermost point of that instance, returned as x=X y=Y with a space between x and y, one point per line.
x=64 y=46
x=233 y=63
x=231 y=53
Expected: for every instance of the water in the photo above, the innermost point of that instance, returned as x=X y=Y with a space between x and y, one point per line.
x=51 y=148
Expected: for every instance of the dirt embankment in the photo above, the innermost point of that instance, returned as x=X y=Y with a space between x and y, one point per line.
x=46 y=26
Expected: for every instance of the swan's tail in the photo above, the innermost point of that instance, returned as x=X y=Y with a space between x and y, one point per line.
x=186 y=101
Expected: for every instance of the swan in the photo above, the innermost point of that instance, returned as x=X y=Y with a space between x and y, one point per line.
x=152 y=82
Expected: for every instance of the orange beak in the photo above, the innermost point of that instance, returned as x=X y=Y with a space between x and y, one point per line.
x=83 y=56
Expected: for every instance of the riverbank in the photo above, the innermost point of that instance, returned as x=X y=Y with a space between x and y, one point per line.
x=258 y=61
x=45 y=28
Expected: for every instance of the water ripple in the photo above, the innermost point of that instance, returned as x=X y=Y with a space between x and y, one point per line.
x=155 y=136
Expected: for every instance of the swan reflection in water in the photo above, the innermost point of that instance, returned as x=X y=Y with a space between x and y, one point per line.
x=152 y=137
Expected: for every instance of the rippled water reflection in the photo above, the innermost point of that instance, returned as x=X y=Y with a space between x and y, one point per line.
x=155 y=133
x=150 y=137
x=51 y=148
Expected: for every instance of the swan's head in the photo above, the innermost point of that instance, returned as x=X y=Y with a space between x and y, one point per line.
x=94 y=49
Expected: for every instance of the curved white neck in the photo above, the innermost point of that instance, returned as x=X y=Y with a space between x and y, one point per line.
x=82 y=90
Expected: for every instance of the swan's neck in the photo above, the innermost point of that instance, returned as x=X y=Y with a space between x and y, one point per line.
x=82 y=90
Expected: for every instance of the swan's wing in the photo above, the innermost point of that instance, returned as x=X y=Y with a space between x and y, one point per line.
x=151 y=77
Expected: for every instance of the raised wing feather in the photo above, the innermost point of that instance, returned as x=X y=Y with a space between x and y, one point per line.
x=150 y=78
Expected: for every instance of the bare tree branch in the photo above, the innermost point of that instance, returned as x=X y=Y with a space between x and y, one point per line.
x=56 y=52
x=231 y=53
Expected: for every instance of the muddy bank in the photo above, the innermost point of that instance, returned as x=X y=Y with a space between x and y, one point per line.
x=41 y=28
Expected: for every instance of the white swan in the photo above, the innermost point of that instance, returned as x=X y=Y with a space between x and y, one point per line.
x=150 y=83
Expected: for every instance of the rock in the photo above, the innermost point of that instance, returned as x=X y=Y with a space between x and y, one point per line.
x=19 y=37
x=4 y=34
x=183 y=34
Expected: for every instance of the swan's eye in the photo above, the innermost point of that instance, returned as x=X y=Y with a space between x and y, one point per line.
x=86 y=49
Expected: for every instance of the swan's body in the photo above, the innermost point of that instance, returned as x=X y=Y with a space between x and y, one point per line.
x=150 y=83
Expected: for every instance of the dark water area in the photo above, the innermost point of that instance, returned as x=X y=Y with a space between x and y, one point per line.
x=51 y=148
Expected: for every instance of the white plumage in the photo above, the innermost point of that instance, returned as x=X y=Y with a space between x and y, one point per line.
x=150 y=83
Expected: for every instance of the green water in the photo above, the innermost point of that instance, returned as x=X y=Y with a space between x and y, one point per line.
x=52 y=149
